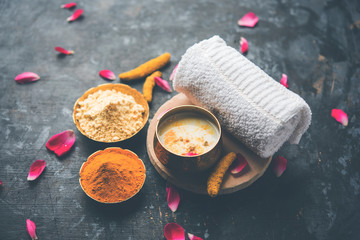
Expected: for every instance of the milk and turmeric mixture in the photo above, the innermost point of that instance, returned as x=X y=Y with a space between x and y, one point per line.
x=188 y=134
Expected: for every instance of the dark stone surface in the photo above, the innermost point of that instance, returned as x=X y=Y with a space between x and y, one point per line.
x=316 y=198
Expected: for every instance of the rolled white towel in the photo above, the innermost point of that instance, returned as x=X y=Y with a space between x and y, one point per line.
x=249 y=104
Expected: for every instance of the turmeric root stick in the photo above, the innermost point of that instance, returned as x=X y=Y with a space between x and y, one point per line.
x=146 y=68
x=216 y=177
x=149 y=85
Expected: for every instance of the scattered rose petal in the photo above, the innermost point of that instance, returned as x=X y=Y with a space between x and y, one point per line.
x=68 y=5
x=75 y=15
x=107 y=74
x=248 y=20
x=26 y=77
x=340 y=116
x=162 y=114
x=163 y=84
x=174 y=231
x=64 y=51
x=173 y=196
x=1 y=183
x=279 y=165
x=61 y=143
x=283 y=81
x=31 y=227
x=173 y=73
x=193 y=237
x=244 y=45
x=36 y=169
x=239 y=164
x=190 y=154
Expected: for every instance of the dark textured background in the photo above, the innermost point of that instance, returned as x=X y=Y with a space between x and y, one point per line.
x=316 y=43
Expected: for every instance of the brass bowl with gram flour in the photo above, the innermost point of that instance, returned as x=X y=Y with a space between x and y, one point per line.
x=188 y=139
x=110 y=113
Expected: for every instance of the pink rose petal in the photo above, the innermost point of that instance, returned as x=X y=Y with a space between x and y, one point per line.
x=1 y=183
x=107 y=74
x=26 y=77
x=75 y=15
x=244 y=45
x=190 y=154
x=283 y=81
x=64 y=51
x=163 y=84
x=36 y=169
x=61 y=143
x=68 y=5
x=279 y=165
x=248 y=20
x=173 y=72
x=174 y=231
x=193 y=237
x=173 y=196
x=239 y=164
x=340 y=116
x=31 y=227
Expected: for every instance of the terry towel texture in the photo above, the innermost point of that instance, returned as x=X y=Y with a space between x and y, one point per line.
x=249 y=104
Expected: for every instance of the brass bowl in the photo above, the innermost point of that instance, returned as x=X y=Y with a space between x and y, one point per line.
x=197 y=163
x=125 y=89
x=121 y=151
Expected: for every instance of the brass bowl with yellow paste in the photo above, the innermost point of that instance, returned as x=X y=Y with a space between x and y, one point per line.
x=188 y=138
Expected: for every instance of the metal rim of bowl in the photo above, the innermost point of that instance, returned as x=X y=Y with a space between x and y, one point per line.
x=199 y=109
x=82 y=165
x=110 y=86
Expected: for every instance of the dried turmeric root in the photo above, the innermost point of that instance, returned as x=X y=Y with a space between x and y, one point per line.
x=149 y=85
x=216 y=177
x=146 y=68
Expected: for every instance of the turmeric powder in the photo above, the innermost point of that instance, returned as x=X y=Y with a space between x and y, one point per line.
x=216 y=177
x=146 y=68
x=149 y=85
x=112 y=175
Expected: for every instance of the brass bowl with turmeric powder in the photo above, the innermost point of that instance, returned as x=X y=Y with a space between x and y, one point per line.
x=112 y=175
x=110 y=113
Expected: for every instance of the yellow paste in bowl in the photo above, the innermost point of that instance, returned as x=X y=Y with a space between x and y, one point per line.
x=188 y=134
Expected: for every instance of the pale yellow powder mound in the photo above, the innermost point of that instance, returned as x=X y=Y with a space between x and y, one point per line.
x=110 y=116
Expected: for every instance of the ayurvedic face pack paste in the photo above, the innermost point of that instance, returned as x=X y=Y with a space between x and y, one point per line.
x=188 y=134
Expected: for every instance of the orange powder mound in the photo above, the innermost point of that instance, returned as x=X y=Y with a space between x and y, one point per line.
x=112 y=175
